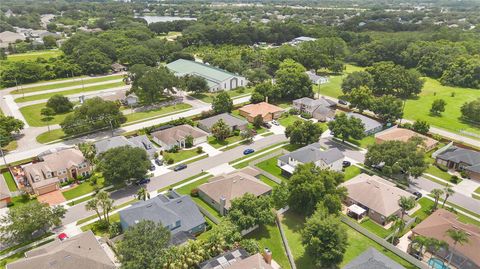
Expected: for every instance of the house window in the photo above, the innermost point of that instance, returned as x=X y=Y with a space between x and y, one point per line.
x=177 y=224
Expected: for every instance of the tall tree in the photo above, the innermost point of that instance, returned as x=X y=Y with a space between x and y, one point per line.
x=47 y=114
x=154 y=84
x=121 y=164
x=59 y=103
x=448 y=192
x=421 y=126
x=356 y=80
x=471 y=111
x=143 y=194
x=250 y=210
x=221 y=130
x=303 y=132
x=361 y=99
x=195 y=84
x=222 y=103
x=438 y=106
x=436 y=195
x=406 y=203
x=388 y=108
x=292 y=82
x=8 y=126
x=345 y=127
x=459 y=237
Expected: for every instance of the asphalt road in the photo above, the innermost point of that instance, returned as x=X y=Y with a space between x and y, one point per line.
x=78 y=212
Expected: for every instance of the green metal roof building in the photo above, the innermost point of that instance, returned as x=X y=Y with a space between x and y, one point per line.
x=217 y=79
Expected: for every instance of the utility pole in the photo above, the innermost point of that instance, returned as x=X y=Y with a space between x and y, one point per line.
x=2 y=152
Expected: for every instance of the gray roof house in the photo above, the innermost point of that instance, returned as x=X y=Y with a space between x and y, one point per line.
x=372 y=259
x=176 y=212
x=461 y=159
x=371 y=126
x=233 y=122
x=316 y=79
x=140 y=141
x=313 y=153
x=321 y=109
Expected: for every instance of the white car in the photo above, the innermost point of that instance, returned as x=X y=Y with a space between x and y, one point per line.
x=274 y=122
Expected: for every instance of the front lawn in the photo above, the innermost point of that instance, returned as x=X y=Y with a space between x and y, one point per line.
x=477 y=190
x=156 y=112
x=364 y=142
x=50 y=136
x=101 y=231
x=34 y=118
x=12 y=186
x=83 y=188
x=269 y=237
x=181 y=155
x=288 y=120
x=351 y=172
x=271 y=167
x=426 y=206
x=218 y=144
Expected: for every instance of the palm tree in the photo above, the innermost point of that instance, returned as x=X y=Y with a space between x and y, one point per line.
x=88 y=150
x=93 y=204
x=406 y=203
x=143 y=194
x=106 y=203
x=421 y=241
x=397 y=226
x=434 y=245
x=448 y=192
x=436 y=194
x=458 y=236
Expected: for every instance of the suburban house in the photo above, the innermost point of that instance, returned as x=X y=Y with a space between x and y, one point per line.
x=316 y=79
x=54 y=167
x=176 y=212
x=116 y=67
x=267 y=111
x=140 y=141
x=321 y=109
x=233 y=122
x=240 y=259
x=466 y=255
x=5 y=197
x=401 y=134
x=373 y=196
x=313 y=153
x=176 y=135
x=372 y=258
x=217 y=79
x=371 y=126
x=120 y=96
x=220 y=190
x=301 y=39
x=8 y=37
x=79 y=252
x=460 y=159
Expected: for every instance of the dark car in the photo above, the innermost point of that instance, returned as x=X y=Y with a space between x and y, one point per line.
x=152 y=167
x=267 y=125
x=417 y=194
x=248 y=151
x=159 y=162
x=142 y=181
x=346 y=163
x=179 y=167
x=342 y=102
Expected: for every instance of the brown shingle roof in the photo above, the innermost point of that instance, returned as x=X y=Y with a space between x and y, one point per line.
x=63 y=159
x=234 y=185
x=79 y=252
x=375 y=193
x=262 y=108
x=401 y=134
x=255 y=261
x=437 y=225
x=172 y=135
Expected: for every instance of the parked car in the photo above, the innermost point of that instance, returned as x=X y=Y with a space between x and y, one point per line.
x=342 y=102
x=417 y=194
x=152 y=167
x=267 y=125
x=62 y=236
x=159 y=162
x=346 y=164
x=274 y=122
x=179 y=167
x=142 y=181
x=248 y=151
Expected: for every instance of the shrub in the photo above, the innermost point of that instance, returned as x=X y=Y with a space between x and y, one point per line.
x=155 y=155
x=174 y=149
x=454 y=179
x=169 y=160
x=115 y=229
x=240 y=89
x=236 y=132
x=293 y=111
x=199 y=150
x=194 y=192
x=306 y=115
x=463 y=174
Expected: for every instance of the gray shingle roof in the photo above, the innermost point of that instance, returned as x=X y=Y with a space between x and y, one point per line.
x=227 y=118
x=460 y=155
x=313 y=153
x=369 y=123
x=315 y=102
x=140 y=141
x=165 y=210
x=373 y=259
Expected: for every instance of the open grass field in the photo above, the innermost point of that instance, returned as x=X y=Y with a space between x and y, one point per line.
x=357 y=243
x=50 y=136
x=332 y=88
x=65 y=84
x=208 y=97
x=156 y=112
x=34 y=55
x=34 y=118
x=69 y=92
x=269 y=237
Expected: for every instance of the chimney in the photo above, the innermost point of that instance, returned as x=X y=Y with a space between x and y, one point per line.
x=223 y=203
x=267 y=255
x=266 y=99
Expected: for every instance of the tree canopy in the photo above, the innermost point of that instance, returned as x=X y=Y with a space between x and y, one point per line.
x=345 y=127
x=303 y=132
x=292 y=82
x=222 y=103
x=123 y=163
x=59 y=103
x=250 y=210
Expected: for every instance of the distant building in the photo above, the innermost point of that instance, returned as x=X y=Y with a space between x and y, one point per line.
x=313 y=153
x=401 y=134
x=176 y=212
x=321 y=109
x=267 y=111
x=140 y=141
x=8 y=37
x=116 y=67
x=316 y=79
x=372 y=259
x=301 y=39
x=217 y=79
x=176 y=136
x=233 y=122
x=371 y=126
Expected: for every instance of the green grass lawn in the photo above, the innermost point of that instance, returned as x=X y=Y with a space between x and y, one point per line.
x=477 y=190
x=426 y=206
x=332 y=88
x=10 y=181
x=156 y=112
x=288 y=120
x=208 y=97
x=70 y=92
x=34 y=118
x=269 y=237
x=83 y=188
x=21 y=200
x=364 y=142
x=85 y=82
x=357 y=243
x=271 y=167
x=351 y=171
x=34 y=55
x=13 y=145
x=50 y=136
x=218 y=144
x=181 y=154
x=375 y=228
x=101 y=232
x=268 y=181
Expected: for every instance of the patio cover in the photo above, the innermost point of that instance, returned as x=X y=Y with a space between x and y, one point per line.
x=356 y=209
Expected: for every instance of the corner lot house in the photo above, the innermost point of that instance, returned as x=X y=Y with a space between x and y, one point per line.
x=320 y=109
x=371 y=126
x=176 y=212
x=220 y=190
x=233 y=122
x=466 y=255
x=401 y=134
x=267 y=111
x=376 y=196
x=372 y=258
x=461 y=159
x=217 y=79
x=328 y=159
x=55 y=167
x=140 y=141
x=175 y=136
x=79 y=252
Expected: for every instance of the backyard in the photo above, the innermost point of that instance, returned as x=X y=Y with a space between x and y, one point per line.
x=10 y=181
x=269 y=237
x=270 y=166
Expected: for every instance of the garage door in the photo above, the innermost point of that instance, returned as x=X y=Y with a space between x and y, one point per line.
x=47 y=189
